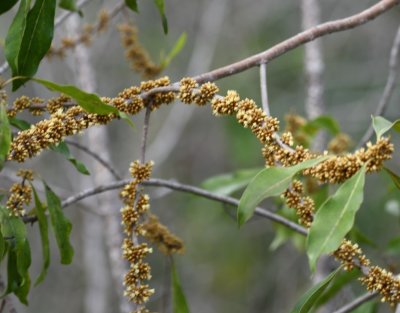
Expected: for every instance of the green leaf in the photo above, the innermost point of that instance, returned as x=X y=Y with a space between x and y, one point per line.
x=382 y=125
x=127 y=119
x=322 y=122
x=268 y=183
x=90 y=102
x=335 y=218
x=44 y=235
x=161 y=9
x=179 y=302
x=61 y=226
x=395 y=178
x=15 y=34
x=6 y=5
x=18 y=123
x=180 y=43
x=341 y=280
x=5 y=134
x=227 y=184
x=132 y=4
x=36 y=40
x=14 y=229
x=70 y=5
x=63 y=149
x=308 y=300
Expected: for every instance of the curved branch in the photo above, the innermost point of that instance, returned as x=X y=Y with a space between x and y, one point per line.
x=298 y=40
x=184 y=188
x=356 y=303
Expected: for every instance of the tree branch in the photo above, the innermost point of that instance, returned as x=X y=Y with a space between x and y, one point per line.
x=264 y=88
x=389 y=87
x=298 y=40
x=356 y=303
x=145 y=134
x=184 y=188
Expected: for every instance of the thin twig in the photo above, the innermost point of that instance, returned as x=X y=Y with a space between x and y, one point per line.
x=145 y=133
x=356 y=303
x=184 y=188
x=264 y=88
x=57 y=22
x=389 y=87
x=97 y=157
x=298 y=40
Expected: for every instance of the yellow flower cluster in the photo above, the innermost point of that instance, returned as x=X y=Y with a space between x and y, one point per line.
x=303 y=205
x=20 y=194
x=384 y=282
x=40 y=136
x=340 y=168
x=135 y=53
x=136 y=205
x=350 y=255
x=22 y=103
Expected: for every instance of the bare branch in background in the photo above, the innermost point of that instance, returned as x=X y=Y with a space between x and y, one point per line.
x=145 y=134
x=57 y=22
x=96 y=299
x=298 y=40
x=264 y=88
x=204 y=47
x=314 y=69
x=356 y=303
x=389 y=87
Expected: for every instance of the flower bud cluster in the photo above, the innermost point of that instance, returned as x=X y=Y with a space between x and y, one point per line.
x=20 y=194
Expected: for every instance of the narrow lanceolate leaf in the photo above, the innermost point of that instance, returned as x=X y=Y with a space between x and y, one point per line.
x=382 y=125
x=226 y=184
x=335 y=218
x=44 y=236
x=15 y=34
x=307 y=301
x=395 y=178
x=18 y=123
x=14 y=230
x=132 y=4
x=63 y=149
x=61 y=226
x=36 y=39
x=179 y=302
x=161 y=9
x=269 y=182
x=90 y=102
x=180 y=43
x=6 y=5
x=69 y=5
x=5 y=134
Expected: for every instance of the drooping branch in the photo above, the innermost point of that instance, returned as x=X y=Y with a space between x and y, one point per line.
x=264 y=88
x=298 y=40
x=184 y=188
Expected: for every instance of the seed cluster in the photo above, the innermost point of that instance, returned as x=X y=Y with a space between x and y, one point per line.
x=135 y=53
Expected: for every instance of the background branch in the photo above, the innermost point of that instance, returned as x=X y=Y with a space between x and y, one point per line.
x=389 y=87
x=356 y=303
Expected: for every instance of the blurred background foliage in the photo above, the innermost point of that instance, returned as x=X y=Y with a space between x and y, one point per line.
x=224 y=269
